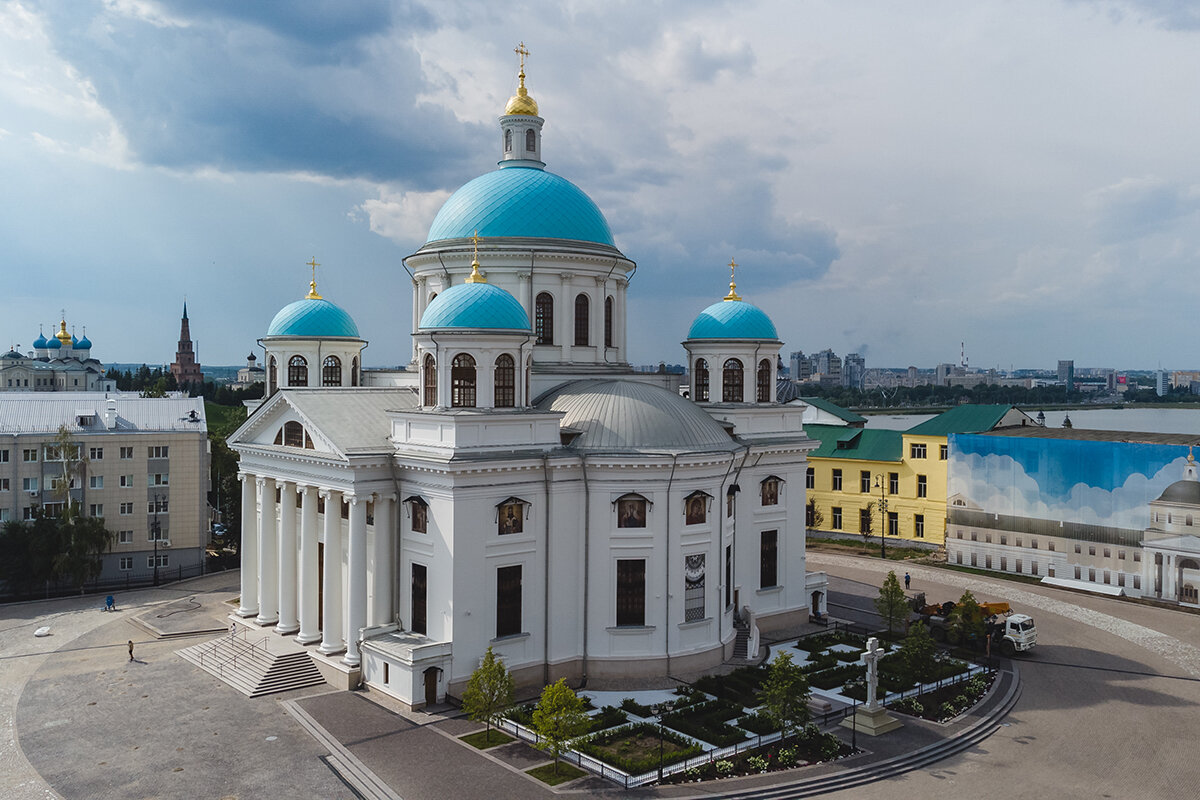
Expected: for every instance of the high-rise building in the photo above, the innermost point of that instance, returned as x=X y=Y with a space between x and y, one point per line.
x=184 y=367
x=827 y=366
x=1066 y=374
x=854 y=368
x=801 y=366
x=1161 y=382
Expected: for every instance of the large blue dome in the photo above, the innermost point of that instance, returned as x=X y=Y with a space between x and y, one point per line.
x=40 y=342
x=475 y=306
x=315 y=317
x=521 y=201
x=733 y=319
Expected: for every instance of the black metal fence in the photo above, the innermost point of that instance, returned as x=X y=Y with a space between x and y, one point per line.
x=131 y=580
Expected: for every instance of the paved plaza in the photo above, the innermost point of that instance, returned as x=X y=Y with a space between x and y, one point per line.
x=1103 y=702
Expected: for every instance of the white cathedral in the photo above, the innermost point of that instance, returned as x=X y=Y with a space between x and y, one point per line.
x=526 y=489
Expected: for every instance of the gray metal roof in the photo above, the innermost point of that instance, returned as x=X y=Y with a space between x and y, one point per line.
x=45 y=412
x=355 y=421
x=628 y=416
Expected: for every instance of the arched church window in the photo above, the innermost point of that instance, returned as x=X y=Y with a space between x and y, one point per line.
x=732 y=382
x=508 y=141
x=272 y=377
x=530 y=141
x=331 y=371
x=700 y=376
x=763 y=395
x=293 y=434
x=298 y=371
x=581 y=320
x=354 y=372
x=462 y=381
x=505 y=382
x=543 y=318
x=608 y=322
x=430 y=380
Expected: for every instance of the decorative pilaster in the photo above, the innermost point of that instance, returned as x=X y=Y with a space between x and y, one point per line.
x=331 y=633
x=268 y=558
x=310 y=630
x=248 y=603
x=356 y=572
x=380 y=611
x=288 y=621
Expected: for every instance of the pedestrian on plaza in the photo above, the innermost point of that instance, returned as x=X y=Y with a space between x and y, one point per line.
x=906 y=581
x=131 y=649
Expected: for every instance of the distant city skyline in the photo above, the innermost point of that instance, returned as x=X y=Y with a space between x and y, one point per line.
x=893 y=180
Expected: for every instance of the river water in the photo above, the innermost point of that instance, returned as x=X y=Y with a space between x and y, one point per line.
x=1144 y=420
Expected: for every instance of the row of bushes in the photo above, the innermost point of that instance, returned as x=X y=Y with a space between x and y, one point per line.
x=706 y=722
x=740 y=686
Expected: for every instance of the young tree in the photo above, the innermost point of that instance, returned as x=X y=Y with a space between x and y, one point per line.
x=785 y=695
x=917 y=653
x=892 y=603
x=489 y=691
x=866 y=522
x=966 y=620
x=814 y=519
x=558 y=718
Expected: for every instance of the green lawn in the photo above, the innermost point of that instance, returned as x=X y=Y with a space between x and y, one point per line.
x=481 y=741
x=546 y=773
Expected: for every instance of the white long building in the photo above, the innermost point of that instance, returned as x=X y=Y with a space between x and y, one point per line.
x=530 y=492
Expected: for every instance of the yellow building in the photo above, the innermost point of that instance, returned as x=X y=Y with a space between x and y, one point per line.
x=862 y=479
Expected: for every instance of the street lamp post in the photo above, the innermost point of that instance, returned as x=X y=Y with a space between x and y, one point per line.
x=882 y=516
x=660 y=709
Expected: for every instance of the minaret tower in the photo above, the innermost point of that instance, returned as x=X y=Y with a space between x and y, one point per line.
x=184 y=367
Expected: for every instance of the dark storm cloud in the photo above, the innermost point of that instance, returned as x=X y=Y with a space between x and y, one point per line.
x=309 y=87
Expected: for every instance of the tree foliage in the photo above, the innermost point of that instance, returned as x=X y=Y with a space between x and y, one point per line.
x=917 y=653
x=489 y=692
x=558 y=718
x=892 y=603
x=966 y=620
x=866 y=522
x=785 y=695
x=814 y=519
x=58 y=550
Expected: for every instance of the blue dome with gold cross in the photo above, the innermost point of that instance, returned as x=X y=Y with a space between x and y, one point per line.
x=314 y=316
x=475 y=306
x=521 y=201
x=732 y=318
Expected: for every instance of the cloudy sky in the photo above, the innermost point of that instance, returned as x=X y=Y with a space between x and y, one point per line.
x=894 y=178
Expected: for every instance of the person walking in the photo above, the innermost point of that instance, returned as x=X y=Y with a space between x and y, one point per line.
x=131 y=649
x=906 y=581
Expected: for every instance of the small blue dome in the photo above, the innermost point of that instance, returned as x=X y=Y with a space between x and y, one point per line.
x=521 y=201
x=40 y=342
x=315 y=317
x=475 y=306
x=53 y=344
x=733 y=319
x=84 y=344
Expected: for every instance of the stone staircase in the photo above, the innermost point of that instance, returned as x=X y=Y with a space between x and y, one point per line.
x=741 y=642
x=256 y=668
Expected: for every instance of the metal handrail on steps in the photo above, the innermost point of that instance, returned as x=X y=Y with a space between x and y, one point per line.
x=232 y=658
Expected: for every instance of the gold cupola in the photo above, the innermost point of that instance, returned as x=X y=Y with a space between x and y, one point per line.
x=521 y=102
x=62 y=334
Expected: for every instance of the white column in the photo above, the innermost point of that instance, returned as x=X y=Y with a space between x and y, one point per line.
x=249 y=548
x=288 y=621
x=597 y=317
x=331 y=633
x=268 y=558
x=619 y=319
x=356 y=591
x=417 y=310
x=380 y=611
x=564 y=322
x=310 y=630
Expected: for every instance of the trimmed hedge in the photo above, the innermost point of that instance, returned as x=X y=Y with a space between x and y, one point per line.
x=706 y=722
x=608 y=717
x=759 y=723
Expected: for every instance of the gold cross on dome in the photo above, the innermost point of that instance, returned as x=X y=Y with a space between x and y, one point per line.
x=522 y=53
x=475 y=276
x=312 y=286
x=733 y=295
